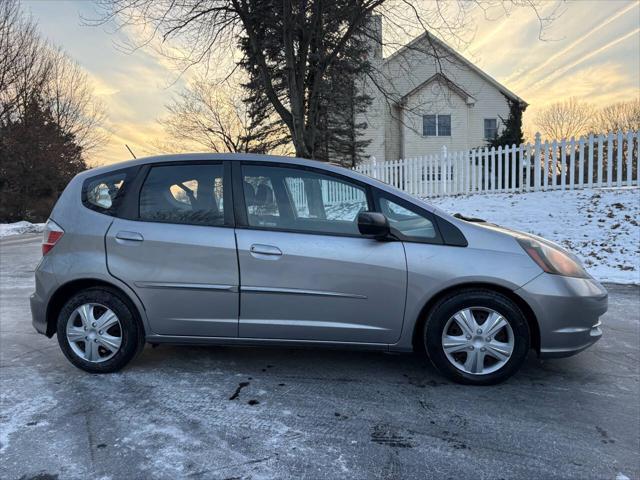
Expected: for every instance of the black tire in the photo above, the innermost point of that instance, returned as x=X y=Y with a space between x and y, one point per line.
x=133 y=338
x=449 y=306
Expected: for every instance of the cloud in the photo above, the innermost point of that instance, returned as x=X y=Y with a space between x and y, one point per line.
x=141 y=137
x=101 y=88
x=595 y=56
x=587 y=33
x=559 y=72
x=599 y=85
x=563 y=53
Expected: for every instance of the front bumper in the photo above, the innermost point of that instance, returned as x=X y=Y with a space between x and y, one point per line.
x=568 y=311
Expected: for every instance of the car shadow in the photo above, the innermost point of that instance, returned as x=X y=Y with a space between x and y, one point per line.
x=324 y=364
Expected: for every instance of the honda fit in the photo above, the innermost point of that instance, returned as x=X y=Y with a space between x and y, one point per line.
x=255 y=250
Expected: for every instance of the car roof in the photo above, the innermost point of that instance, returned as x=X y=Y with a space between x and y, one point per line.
x=199 y=156
x=202 y=156
x=327 y=166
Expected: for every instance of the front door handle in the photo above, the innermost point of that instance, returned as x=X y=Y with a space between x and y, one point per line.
x=130 y=236
x=259 y=249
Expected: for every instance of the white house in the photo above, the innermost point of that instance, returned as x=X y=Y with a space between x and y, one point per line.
x=426 y=96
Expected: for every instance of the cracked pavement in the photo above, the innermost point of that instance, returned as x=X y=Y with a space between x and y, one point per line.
x=233 y=412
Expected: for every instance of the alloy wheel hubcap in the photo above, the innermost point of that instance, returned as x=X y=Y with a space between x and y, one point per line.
x=478 y=340
x=94 y=332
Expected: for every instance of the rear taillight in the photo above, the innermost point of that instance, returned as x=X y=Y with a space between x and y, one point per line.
x=52 y=233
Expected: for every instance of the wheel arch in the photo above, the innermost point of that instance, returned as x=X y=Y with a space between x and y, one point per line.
x=527 y=311
x=66 y=291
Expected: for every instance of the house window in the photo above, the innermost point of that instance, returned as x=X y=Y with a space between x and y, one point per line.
x=436 y=125
x=490 y=128
x=429 y=125
x=444 y=125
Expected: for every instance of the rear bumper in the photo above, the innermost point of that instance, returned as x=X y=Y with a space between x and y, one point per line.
x=46 y=282
x=568 y=311
x=38 y=313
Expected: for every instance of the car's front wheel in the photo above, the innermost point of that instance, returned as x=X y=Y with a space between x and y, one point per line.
x=477 y=337
x=97 y=331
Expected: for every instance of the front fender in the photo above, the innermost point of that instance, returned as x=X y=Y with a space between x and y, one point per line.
x=433 y=269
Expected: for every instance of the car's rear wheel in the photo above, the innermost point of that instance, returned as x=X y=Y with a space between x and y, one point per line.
x=97 y=331
x=477 y=337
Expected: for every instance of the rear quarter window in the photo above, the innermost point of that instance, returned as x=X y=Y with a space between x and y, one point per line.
x=103 y=193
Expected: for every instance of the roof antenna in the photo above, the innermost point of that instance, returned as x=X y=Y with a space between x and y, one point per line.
x=132 y=154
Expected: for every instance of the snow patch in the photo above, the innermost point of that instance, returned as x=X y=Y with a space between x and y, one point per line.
x=602 y=227
x=18 y=228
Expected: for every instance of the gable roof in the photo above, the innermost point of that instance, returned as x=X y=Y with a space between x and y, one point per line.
x=441 y=44
x=439 y=77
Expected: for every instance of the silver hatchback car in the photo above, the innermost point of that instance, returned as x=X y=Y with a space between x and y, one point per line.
x=249 y=249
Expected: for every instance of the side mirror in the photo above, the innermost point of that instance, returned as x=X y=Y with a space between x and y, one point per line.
x=373 y=224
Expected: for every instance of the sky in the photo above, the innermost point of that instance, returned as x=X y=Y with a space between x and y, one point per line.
x=591 y=52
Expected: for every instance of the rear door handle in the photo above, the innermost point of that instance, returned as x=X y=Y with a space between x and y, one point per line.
x=259 y=249
x=130 y=236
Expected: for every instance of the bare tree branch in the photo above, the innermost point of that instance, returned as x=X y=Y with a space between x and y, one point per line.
x=288 y=46
x=570 y=118
x=30 y=65
x=206 y=116
x=618 y=116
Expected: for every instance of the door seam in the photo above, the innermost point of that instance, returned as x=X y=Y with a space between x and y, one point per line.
x=106 y=255
x=235 y=236
x=406 y=293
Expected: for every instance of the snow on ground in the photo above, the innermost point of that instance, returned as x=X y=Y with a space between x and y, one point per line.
x=600 y=226
x=17 y=228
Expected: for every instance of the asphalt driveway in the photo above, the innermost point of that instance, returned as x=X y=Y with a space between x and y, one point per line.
x=282 y=413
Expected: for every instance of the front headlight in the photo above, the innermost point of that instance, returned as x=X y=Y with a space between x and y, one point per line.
x=551 y=259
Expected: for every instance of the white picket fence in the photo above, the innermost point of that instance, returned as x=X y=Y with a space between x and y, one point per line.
x=605 y=160
x=332 y=192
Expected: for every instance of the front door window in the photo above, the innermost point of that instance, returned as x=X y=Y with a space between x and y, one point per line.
x=301 y=200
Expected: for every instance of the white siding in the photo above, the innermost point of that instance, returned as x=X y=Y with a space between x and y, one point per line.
x=403 y=73
x=375 y=118
x=436 y=99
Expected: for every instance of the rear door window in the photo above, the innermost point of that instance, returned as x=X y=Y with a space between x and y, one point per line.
x=187 y=194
